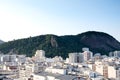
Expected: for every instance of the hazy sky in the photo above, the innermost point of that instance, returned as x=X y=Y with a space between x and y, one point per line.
x=24 y=18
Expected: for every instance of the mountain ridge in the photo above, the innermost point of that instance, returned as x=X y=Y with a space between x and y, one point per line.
x=1 y=41
x=62 y=45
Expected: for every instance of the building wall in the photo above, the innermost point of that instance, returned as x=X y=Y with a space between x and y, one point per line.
x=53 y=70
x=99 y=69
x=38 y=77
x=87 y=55
x=50 y=78
x=40 y=56
x=116 y=53
x=29 y=69
x=76 y=57
x=118 y=74
x=105 y=71
x=111 y=72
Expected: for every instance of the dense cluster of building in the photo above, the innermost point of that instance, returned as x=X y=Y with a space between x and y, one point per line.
x=78 y=66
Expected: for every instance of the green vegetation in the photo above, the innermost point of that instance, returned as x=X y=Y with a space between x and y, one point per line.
x=62 y=45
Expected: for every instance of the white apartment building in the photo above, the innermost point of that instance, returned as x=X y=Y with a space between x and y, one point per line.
x=8 y=58
x=76 y=58
x=101 y=68
x=87 y=55
x=57 y=59
x=108 y=71
x=97 y=56
x=39 y=56
x=114 y=54
x=114 y=72
x=56 y=70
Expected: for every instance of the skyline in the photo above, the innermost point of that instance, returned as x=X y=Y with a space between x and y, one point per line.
x=25 y=18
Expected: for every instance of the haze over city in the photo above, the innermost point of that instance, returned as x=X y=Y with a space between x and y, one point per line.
x=59 y=40
x=24 y=18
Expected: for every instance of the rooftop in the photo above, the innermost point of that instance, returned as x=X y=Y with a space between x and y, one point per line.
x=57 y=76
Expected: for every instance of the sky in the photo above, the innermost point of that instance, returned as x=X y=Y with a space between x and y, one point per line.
x=25 y=18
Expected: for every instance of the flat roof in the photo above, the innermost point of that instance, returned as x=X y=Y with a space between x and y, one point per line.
x=66 y=77
x=48 y=74
x=57 y=76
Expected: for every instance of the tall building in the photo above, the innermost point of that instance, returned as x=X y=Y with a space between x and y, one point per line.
x=107 y=70
x=116 y=53
x=76 y=57
x=97 y=56
x=9 y=58
x=111 y=54
x=87 y=55
x=101 y=68
x=40 y=55
x=85 y=49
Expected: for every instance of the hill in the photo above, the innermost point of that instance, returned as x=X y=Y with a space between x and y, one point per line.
x=1 y=41
x=62 y=45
